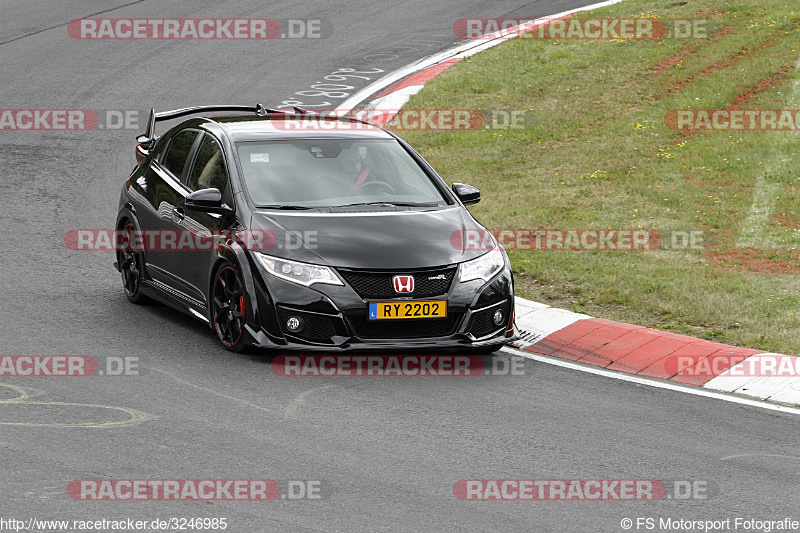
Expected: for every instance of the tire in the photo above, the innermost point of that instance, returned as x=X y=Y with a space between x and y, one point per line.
x=229 y=308
x=131 y=267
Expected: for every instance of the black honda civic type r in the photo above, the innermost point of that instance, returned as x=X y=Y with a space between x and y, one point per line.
x=292 y=231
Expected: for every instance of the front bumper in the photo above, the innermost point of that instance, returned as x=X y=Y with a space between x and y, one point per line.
x=335 y=318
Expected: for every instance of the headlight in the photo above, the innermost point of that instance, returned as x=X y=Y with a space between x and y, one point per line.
x=302 y=273
x=484 y=267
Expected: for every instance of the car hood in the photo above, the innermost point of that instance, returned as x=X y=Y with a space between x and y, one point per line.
x=377 y=239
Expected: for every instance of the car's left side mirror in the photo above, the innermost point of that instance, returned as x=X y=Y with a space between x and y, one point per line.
x=467 y=193
x=208 y=201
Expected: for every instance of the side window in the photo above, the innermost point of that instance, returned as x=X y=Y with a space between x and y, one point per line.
x=208 y=170
x=178 y=151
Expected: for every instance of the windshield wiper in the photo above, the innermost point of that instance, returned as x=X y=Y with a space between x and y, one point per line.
x=393 y=204
x=416 y=204
x=283 y=207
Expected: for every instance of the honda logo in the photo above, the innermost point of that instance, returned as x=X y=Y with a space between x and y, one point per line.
x=403 y=283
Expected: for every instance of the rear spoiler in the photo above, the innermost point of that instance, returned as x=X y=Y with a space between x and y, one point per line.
x=149 y=134
x=146 y=141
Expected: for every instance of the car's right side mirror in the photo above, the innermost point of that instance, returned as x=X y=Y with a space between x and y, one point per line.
x=467 y=193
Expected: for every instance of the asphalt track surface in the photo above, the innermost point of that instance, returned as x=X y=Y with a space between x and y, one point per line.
x=385 y=451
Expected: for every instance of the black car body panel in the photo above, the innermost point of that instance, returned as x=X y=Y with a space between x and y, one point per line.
x=363 y=246
x=371 y=239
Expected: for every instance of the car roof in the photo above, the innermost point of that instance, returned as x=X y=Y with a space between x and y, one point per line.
x=243 y=128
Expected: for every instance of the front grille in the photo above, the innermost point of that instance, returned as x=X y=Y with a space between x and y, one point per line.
x=371 y=284
x=404 y=328
x=481 y=323
x=318 y=328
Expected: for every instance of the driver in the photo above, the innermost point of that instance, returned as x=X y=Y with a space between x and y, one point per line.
x=354 y=165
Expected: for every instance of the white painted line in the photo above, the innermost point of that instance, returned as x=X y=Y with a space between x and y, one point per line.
x=764 y=387
x=788 y=394
x=521 y=314
x=464 y=50
x=541 y=323
x=726 y=382
x=668 y=385
x=522 y=306
x=740 y=379
x=770 y=384
x=395 y=100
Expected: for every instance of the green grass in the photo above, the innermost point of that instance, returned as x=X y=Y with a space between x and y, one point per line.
x=595 y=152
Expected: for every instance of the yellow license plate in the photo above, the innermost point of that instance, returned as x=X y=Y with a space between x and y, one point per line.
x=407 y=309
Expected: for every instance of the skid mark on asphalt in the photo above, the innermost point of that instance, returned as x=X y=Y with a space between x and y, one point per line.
x=25 y=394
x=36 y=32
x=301 y=399
x=287 y=412
x=760 y=455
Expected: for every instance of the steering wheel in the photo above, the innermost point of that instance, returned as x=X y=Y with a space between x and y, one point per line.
x=381 y=185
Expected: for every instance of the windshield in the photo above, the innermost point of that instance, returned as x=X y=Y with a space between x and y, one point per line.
x=334 y=173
